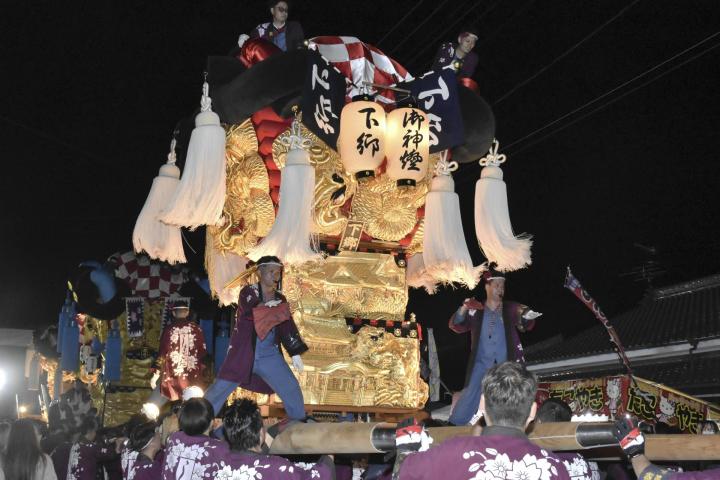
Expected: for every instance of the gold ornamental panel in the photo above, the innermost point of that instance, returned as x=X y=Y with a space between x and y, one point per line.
x=248 y=213
x=372 y=368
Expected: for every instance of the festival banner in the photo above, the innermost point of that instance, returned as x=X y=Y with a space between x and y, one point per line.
x=616 y=396
x=573 y=284
x=135 y=317
x=436 y=94
x=323 y=98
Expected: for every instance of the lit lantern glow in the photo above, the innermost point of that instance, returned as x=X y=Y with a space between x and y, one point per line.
x=361 y=143
x=407 y=146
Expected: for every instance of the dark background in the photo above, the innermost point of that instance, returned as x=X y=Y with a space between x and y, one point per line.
x=91 y=91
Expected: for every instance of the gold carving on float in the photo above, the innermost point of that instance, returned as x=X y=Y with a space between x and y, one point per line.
x=332 y=185
x=372 y=368
x=248 y=213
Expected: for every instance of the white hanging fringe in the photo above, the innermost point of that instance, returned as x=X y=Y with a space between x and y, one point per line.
x=160 y=241
x=445 y=252
x=416 y=276
x=200 y=197
x=492 y=218
x=290 y=236
x=222 y=268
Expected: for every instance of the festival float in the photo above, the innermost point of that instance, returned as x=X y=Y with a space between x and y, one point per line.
x=339 y=162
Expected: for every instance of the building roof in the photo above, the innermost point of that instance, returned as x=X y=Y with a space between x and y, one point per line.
x=682 y=313
x=695 y=374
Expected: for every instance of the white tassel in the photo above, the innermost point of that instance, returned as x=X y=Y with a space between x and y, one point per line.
x=416 y=276
x=160 y=241
x=200 y=197
x=445 y=252
x=290 y=236
x=492 y=218
x=222 y=268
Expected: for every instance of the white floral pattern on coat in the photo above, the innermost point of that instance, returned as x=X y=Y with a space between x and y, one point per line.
x=492 y=465
x=187 y=460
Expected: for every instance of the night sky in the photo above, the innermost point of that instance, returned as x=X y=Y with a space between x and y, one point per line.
x=93 y=89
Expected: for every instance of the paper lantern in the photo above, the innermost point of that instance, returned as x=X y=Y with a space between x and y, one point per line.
x=407 y=146
x=361 y=143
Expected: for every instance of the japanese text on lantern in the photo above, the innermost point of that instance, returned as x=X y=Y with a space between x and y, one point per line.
x=411 y=123
x=366 y=139
x=323 y=107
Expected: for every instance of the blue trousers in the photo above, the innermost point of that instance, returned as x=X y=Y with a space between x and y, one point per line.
x=469 y=401
x=276 y=373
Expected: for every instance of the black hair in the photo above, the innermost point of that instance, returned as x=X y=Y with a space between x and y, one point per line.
x=267 y=259
x=704 y=423
x=509 y=390
x=242 y=424
x=273 y=3
x=89 y=424
x=553 y=410
x=141 y=435
x=195 y=417
x=23 y=452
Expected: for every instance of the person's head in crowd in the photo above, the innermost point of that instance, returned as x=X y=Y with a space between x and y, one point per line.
x=181 y=312
x=89 y=429
x=279 y=11
x=508 y=395
x=4 y=433
x=467 y=40
x=243 y=425
x=553 y=410
x=196 y=416
x=133 y=422
x=23 y=451
x=494 y=285
x=708 y=427
x=143 y=435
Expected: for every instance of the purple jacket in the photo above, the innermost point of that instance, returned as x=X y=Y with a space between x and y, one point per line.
x=193 y=458
x=511 y=318
x=84 y=459
x=238 y=365
x=577 y=467
x=243 y=464
x=498 y=453
x=146 y=469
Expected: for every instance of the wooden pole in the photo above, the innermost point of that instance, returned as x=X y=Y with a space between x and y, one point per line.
x=362 y=438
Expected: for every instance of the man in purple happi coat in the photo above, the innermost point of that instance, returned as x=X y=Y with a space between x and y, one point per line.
x=502 y=450
x=493 y=328
x=244 y=432
x=254 y=361
x=459 y=55
x=190 y=454
x=632 y=442
x=85 y=455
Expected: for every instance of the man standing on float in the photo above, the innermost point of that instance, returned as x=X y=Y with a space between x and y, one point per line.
x=254 y=361
x=493 y=328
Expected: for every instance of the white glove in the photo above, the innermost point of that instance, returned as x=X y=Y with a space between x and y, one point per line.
x=154 y=380
x=298 y=363
x=531 y=315
x=273 y=303
x=243 y=38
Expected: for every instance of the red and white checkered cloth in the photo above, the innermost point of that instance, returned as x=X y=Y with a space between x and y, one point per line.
x=360 y=62
x=147 y=278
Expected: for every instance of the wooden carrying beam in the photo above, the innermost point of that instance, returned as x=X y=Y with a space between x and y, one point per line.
x=361 y=438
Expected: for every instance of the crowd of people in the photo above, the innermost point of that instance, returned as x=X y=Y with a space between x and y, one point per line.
x=190 y=441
